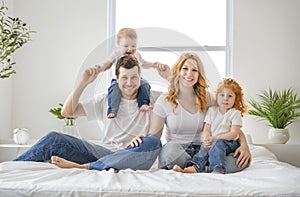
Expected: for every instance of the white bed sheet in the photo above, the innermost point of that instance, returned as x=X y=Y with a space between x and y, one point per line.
x=265 y=177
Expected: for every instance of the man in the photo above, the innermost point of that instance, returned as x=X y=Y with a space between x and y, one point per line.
x=69 y=152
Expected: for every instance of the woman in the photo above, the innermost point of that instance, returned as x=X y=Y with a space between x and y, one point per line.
x=182 y=110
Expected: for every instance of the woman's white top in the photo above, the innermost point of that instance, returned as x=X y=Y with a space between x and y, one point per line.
x=181 y=126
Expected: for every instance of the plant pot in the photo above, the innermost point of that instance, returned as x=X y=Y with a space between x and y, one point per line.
x=278 y=136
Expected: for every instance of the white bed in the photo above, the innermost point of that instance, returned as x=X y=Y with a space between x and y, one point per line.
x=265 y=177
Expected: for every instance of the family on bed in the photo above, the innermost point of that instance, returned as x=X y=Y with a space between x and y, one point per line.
x=202 y=129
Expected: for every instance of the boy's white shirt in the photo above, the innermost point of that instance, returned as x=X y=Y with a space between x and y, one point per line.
x=221 y=122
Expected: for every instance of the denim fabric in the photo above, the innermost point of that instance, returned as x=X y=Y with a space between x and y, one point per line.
x=173 y=153
x=98 y=157
x=139 y=157
x=181 y=154
x=143 y=97
x=215 y=156
x=65 y=146
x=200 y=159
x=115 y=95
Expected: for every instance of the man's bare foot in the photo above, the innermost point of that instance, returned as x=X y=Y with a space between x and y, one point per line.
x=177 y=168
x=63 y=163
x=111 y=115
x=146 y=108
x=190 y=169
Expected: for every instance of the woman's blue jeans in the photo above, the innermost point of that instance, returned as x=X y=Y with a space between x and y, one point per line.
x=99 y=158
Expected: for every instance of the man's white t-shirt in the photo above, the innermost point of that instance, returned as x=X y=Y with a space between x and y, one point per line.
x=118 y=132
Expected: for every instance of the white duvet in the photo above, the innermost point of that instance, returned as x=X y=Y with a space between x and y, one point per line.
x=265 y=177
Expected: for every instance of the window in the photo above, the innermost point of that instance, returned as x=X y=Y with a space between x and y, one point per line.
x=168 y=27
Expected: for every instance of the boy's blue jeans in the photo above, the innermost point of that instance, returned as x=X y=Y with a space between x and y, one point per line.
x=115 y=95
x=98 y=157
x=214 y=157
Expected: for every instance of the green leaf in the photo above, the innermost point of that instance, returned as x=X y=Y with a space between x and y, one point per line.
x=279 y=108
x=14 y=34
x=56 y=111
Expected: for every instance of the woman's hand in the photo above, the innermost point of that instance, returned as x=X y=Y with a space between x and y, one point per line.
x=244 y=158
x=136 y=140
x=163 y=70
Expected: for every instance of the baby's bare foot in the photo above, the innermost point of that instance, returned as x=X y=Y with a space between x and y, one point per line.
x=146 y=108
x=111 y=115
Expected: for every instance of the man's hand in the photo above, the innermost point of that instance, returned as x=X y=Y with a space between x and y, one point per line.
x=244 y=158
x=208 y=141
x=136 y=140
x=90 y=74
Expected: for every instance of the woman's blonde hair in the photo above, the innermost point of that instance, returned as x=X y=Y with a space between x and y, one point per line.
x=233 y=85
x=200 y=87
x=126 y=33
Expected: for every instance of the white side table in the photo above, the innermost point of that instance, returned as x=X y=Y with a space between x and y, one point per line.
x=289 y=153
x=9 y=150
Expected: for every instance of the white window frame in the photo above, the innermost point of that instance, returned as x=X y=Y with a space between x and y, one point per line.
x=227 y=49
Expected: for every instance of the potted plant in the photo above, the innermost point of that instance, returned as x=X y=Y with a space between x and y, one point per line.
x=70 y=126
x=14 y=34
x=279 y=108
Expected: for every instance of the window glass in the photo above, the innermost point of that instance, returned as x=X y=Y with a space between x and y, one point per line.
x=202 y=21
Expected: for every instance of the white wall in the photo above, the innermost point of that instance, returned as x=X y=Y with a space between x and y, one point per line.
x=6 y=94
x=265 y=51
x=67 y=31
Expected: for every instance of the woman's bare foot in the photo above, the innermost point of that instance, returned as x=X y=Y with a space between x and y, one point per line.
x=111 y=115
x=63 y=163
x=190 y=169
x=216 y=172
x=146 y=108
x=177 y=168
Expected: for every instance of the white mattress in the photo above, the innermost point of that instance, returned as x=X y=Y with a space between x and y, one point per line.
x=265 y=177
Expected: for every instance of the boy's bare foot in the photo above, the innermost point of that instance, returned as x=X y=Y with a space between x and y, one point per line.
x=63 y=163
x=177 y=168
x=146 y=108
x=111 y=115
x=190 y=169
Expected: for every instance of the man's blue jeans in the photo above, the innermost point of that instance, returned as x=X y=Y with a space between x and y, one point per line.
x=98 y=157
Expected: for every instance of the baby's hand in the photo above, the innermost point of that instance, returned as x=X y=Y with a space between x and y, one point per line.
x=146 y=108
x=99 y=68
